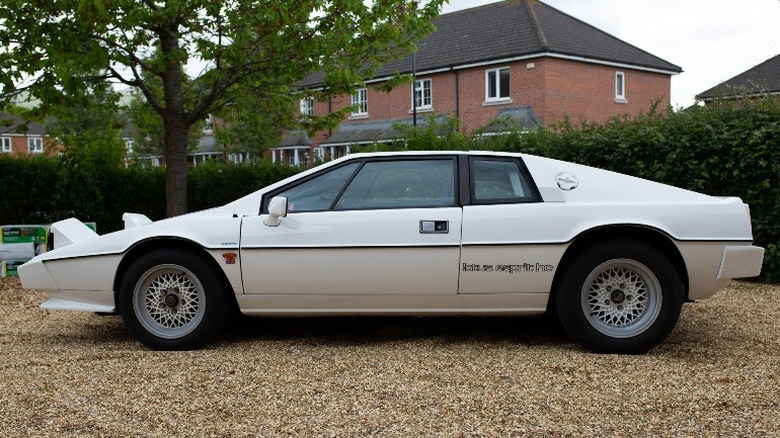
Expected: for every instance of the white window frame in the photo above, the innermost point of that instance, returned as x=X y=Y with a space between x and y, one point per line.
x=360 y=101
x=306 y=107
x=6 y=145
x=35 y=145
x=236 y=157
x=497 y=97
x=129 y=147
x=620 y=86
x=319 y=153
x=208 y=125
x=419 y=86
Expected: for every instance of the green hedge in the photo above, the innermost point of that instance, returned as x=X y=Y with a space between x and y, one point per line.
x=722 y=149
x=44 y=190
x=726 y=149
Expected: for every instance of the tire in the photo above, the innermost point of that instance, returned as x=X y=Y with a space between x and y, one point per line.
x=620 y=297
x=173 y=300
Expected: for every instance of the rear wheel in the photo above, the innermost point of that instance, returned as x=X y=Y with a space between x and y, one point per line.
x=173 y=300
x=620 y=297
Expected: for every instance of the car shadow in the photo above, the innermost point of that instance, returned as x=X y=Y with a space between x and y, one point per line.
x=361 y=330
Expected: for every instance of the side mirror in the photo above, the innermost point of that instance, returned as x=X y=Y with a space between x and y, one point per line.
x=277 y=209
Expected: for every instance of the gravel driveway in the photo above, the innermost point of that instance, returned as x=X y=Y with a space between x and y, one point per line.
x=66 y=374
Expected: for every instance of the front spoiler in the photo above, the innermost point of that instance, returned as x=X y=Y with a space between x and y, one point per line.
x=81 y=301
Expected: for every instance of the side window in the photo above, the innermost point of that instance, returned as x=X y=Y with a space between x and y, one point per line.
x=320 y=192
x=401 y=184
x=495 y=181
x=497 y=84
x=360 y=102
x=5 y=144
x=35 y=144
x=307 y=107
x=620 y=86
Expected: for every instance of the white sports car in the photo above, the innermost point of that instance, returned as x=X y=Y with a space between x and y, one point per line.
x=423 y=233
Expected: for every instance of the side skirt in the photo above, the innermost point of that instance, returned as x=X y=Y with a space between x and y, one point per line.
x=319 y=305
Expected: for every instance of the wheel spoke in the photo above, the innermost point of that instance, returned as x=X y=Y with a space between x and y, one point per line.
x=621 y=297
x=169 y=300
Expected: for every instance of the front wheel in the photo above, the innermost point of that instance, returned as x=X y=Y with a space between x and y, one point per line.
x=172 y=300
x=620 y=297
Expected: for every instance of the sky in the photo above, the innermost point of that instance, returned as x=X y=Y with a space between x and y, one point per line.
x=711 y=40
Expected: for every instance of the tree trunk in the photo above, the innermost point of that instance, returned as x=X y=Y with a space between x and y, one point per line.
x=175 y=166
x=175 y=124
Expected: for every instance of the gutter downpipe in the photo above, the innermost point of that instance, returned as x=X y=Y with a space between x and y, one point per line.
x=414 y=86
x=457 y=96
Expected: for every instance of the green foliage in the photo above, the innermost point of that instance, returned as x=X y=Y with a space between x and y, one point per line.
x=431 y=133
x=88 y=127
x=218 y=182
x=27 y=189
x=250 y=126
x=42 y=190
x=246 y=48
x=726 y=148
x=148 y=129
x=722 y=149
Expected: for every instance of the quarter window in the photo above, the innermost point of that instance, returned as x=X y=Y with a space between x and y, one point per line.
x=5 y=144
x=35 y=145
x=499 y=181
x=360 y=102
x=497 y=84
x=620 y=86
x=422 y=94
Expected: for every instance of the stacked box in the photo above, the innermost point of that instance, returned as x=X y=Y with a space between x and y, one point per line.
x=18 y=244
x=24 y=234
x=8 y=267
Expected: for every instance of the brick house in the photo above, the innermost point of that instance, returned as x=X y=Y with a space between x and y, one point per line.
x=20 y=138
x=519 y=59
x=759 y=80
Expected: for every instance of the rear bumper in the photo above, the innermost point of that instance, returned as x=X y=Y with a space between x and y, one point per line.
x=740 y=262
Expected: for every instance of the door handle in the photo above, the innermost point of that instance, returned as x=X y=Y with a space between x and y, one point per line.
x=434 y=227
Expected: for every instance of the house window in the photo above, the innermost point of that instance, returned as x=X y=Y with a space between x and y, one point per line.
x=208 y=125
x=620 y=86
x=497 y=84
x=421 y=94
x=360 y=102
x=319 y=154
x=236 y=157
x=5 y=144
x=129 y=147
x=35 y=145
x=307 y=107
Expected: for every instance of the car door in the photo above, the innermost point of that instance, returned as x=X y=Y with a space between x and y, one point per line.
x=503 y=222
x=370 y=226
